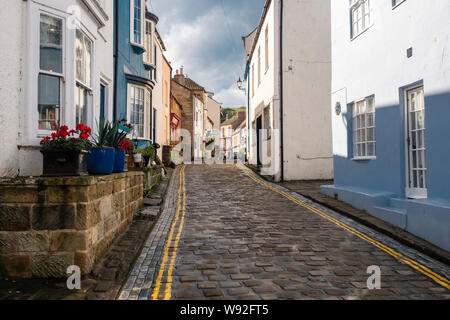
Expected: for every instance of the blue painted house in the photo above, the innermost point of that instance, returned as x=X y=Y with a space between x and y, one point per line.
x=135 y=53
x=391 y=112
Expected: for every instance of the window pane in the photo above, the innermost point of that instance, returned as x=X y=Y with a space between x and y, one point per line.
x=88 y=52
x=51 y=44
x=48 y=102
x=79 y=56
x=81 y=105
x=371 y=149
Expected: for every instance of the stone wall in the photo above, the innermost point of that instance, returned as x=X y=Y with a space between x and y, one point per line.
x=49 y=224
x=152 y=176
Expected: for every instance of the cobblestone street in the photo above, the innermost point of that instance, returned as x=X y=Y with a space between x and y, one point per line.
x=226 y=234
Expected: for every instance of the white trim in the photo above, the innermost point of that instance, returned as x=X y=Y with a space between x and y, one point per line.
x=138 y=44
x=146 y=116
x=413 y=193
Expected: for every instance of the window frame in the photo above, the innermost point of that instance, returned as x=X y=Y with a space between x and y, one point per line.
x=359 y=140
x=259 y=66
x=355 y=5
x=132 y=19
x=266 y=53
x=148 y=42
x=396 y=3
x=146 y=110
x=44 y=132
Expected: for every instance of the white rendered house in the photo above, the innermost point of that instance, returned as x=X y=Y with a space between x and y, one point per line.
x=56 y=69
x=288 y=78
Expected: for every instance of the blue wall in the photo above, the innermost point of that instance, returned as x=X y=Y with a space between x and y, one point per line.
x=388 y=171
x=127 y=57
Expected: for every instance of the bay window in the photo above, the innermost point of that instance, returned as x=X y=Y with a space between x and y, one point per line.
x=148 y=43
x=138 y=110
x=50 y=72
x=364 y=139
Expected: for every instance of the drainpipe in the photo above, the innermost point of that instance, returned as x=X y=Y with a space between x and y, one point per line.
x=281 y=93
x=116 y=56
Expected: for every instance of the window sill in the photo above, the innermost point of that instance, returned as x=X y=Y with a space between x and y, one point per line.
x=397 y=5
x=361 y=33
x=364 y=159
x=137 y=48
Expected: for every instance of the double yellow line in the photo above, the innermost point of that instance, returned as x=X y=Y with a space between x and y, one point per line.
x=181 y=207
x=412 y=263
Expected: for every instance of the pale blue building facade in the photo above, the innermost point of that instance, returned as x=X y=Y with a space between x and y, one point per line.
x=391 y=112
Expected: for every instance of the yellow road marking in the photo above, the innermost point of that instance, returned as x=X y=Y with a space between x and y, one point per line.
x=414 y=264
x=168 y=292
x=169 y=241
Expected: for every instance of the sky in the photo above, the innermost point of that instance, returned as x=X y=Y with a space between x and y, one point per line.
x=205 y=36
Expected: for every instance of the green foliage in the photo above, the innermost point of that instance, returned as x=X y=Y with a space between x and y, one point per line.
x=104 y=136
x=116 y=136
x=63 y=144
x=150 y=152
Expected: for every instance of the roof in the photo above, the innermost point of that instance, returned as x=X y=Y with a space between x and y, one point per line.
x=248 y=42
x=188 y=83
x=236 y=120
x=254 y=35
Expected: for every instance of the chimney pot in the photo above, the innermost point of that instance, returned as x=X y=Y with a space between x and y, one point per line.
x=177 y=71
x=181 y=70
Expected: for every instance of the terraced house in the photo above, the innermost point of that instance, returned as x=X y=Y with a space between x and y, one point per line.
x=287 y=83
x=57 y=69
x=390 y=106
x=139 y=86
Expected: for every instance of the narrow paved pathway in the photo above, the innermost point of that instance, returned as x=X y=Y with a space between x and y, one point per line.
x=227 y=234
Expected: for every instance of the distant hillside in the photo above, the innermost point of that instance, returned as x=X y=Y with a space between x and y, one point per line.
x=231 y=111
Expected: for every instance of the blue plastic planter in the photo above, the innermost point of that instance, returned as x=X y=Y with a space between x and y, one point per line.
x=119 y=161
x=101 y=160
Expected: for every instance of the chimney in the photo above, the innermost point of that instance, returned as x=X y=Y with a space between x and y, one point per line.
x=179 y=77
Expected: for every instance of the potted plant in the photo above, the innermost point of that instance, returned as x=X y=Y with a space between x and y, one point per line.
x=120 y=144
x=102 y=156
x=137 y=156
x=149 y=155
x=65 y=152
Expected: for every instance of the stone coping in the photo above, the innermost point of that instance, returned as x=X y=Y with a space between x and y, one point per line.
x=66 y=181
x=145 y=169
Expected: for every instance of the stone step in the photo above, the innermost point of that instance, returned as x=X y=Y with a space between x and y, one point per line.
x=395 y=216
x=152 y=201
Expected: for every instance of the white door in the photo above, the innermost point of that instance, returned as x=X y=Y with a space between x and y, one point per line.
x=416 y=147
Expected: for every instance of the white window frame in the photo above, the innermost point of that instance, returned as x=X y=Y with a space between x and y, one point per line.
x=132 y=18
x=43 y=132
x=146 y=131
x=361 y=113
x=148 y=42
x=356 y=5
x=84 y=85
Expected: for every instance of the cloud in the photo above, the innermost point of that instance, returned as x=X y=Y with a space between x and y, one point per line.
x=204 y=36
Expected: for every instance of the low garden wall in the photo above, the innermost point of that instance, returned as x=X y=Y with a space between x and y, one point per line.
x=152 y=176
x=49 y=224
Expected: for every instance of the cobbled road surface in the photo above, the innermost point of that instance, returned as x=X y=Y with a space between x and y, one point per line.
x=223 y=235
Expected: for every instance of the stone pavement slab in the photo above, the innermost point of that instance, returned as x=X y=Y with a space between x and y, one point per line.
x=244 y=240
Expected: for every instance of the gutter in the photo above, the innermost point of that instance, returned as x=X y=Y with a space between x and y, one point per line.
x=281 y=94
x=116 y=56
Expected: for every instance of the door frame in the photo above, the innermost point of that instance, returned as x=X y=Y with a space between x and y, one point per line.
x=259 y=140
x=409 y=192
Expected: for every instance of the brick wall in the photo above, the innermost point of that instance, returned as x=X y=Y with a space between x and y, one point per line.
x=48 y=224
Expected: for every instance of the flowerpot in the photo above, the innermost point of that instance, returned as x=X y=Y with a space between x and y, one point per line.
x=119 y=161
x=64 y=163
x=101 y=161
x=130 y=161
x=137 y=157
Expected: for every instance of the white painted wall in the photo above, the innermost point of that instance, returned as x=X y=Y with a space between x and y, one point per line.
x=357 y=74
x=11 y=45
x=157 y=94
x=306 y=89
x=18 y=96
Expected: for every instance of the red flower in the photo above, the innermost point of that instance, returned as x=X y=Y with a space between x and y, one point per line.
x=124 y=144
x=54 y=135
x=84 y=136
